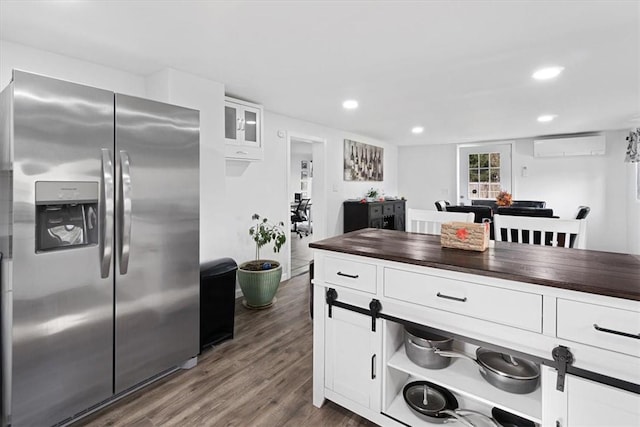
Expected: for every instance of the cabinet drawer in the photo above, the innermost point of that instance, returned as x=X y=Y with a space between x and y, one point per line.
x=387 y=209
x=399 y=208
x=577 y=322
x=375 y=211
x=243 y=152
x=351 y=274
x=513 y=308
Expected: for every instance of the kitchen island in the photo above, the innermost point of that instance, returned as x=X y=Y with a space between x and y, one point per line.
x=531 y=302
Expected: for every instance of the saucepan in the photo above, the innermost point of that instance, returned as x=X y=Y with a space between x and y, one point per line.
x=421 y=345
x=506 y=372
x=437 y=403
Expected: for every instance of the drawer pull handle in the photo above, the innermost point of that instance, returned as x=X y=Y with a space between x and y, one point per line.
x=611 y=331
x=451 y=298
x=350 y=276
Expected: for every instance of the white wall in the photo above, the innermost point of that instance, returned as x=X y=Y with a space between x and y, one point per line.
x=600 y=182
x=179 y=88
x=338 y=190
x=24 y=58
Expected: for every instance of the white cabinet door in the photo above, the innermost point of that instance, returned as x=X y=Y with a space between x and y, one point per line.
x=242 y=130
x=594 y=404
x=351 y=357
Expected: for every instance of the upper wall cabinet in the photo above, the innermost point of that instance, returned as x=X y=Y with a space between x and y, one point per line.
x=243 y=130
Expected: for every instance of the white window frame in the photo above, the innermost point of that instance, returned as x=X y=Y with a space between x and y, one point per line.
x=507 y=185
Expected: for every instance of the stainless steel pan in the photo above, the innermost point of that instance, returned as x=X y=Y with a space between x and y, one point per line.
x=503 y=371
x=421 y=345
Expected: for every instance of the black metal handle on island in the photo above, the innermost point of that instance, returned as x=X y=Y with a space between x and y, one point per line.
x=350 y=276
x=373 y=367
x=611 y=331
x=451 y=298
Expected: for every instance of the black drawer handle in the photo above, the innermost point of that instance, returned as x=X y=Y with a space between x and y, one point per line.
x=611 y=331
x=350 y=276
x=451 y=298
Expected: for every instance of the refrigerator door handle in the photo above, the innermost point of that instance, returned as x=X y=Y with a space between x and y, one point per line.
x=125 y=211
x=106 y=214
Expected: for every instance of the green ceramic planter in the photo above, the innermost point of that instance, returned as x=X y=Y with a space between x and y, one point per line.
x=259 y=287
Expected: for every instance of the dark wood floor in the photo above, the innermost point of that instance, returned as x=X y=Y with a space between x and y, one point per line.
x=263 y=377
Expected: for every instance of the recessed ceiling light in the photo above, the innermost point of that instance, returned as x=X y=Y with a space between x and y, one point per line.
x=417 y=129
x=547 y=73
x=546 y=118
x=350 y=104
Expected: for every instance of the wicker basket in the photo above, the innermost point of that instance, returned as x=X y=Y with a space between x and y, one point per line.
x=465 y=235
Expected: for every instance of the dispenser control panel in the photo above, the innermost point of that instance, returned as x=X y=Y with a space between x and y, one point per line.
x=48 y=192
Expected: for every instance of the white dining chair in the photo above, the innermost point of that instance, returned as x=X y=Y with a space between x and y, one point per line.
x=429 y=222
x=540 y=231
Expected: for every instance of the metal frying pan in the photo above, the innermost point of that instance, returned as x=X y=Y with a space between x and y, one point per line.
x=433 y=401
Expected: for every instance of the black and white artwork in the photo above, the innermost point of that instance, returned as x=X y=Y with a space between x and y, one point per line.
x=362 y=162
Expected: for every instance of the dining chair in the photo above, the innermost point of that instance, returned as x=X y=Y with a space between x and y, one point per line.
x=429 y=222
x=529 y=230
x=583 y=211
x=441 y=205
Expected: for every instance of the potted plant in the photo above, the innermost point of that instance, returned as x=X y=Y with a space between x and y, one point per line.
x=504 y=199
x=259 y=279
x=372 y=195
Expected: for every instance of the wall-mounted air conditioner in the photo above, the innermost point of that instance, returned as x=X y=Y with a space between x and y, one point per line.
x=575 y=145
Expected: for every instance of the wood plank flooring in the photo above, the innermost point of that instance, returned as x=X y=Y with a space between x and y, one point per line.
x=263 y=377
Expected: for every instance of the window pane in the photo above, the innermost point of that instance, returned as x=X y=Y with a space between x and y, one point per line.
x=230 y=122
x=495 y=175
x=484 y=175
x=473 y=191
x=473 y=175
x=473 y=161
x=250 y=126
x=484 y=191
x=495 y=160
x=484 y=160
x=495 y=188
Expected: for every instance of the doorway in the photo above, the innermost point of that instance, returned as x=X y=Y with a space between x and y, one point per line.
x=306 y=199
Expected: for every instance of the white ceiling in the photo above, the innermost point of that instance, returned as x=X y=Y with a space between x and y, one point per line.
x=460 y=69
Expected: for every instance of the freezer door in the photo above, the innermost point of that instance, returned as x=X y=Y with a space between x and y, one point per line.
x=157 y=225
x=62 y=324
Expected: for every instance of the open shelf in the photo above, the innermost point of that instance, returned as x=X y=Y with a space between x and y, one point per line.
x=399 y=410
x=463 y=377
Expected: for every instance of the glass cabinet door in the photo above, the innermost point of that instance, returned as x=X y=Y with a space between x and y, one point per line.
x=250 y=126
x=231 y=123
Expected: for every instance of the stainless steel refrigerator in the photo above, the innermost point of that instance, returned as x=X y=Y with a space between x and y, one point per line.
x=99 y=224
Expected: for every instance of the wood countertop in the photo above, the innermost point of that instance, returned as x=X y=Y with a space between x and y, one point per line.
x=603 y=273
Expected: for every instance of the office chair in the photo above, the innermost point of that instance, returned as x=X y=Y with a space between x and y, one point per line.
x=299 y=214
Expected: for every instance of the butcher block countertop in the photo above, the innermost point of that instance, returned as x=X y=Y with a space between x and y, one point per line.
x=602 y=273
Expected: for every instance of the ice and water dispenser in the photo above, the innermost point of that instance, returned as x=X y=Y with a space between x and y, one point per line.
x=66 y=214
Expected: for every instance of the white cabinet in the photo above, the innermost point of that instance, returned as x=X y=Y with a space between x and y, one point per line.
x=243 y=130
x=586 y=403
x=352 y=358
x=590 y=404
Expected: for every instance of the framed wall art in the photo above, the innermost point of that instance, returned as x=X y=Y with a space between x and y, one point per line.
x=363 y=162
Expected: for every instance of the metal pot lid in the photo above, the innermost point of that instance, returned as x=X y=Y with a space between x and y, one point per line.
x=429 y=399
x=425 y=335
x=426 y=399
x=506 y=365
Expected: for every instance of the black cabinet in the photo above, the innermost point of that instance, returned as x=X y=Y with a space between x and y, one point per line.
x=388 y=214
